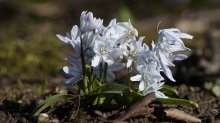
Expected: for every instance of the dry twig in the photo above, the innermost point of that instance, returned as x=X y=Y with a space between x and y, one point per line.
x=139 y=108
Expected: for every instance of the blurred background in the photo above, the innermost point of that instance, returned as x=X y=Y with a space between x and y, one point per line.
x=29 y=48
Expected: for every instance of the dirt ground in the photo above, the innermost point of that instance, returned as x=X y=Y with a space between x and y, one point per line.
x=17 y=101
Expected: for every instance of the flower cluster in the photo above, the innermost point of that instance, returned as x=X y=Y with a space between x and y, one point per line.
x=103 y=48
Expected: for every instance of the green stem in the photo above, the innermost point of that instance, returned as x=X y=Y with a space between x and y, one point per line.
x=101 y=79
x=91 y=79
x=84 y=70
x=128 y=81
x=105 y=72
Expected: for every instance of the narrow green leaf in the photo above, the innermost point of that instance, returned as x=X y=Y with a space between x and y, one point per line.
x=49 y=101
x=175 y=101
x=103 y=99
x=119 y=99
x=169 y=89
x=108 y=99
x=95 y=83
x=79 y=87
x=115 y=88
x=136 y=97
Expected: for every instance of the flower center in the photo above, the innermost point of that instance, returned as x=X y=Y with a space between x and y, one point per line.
x=103 y=50
x=146 y=76
x=133 y=54
x=131 y=32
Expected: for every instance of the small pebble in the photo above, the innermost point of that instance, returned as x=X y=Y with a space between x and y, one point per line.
x=62 y=91
x=42 y=118
x=54 y=121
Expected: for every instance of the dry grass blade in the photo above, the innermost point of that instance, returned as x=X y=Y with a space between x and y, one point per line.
x=180 y=115
x=2 y=98
x=139 y=108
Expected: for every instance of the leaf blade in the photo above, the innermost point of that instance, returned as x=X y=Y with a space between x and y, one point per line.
x=175 y=101
x=49 y=101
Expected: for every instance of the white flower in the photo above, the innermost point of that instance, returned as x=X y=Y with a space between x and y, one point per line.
x=146 y=75
x=112 y=31
x=168 y=42
x=73 y=39
x=130 y=31
x=75 y=71
x=105 y=51
x=173 y=36
x=132 y=51
x=88 y=51
x=155 y=88
x=110 y=75
x=87 y=22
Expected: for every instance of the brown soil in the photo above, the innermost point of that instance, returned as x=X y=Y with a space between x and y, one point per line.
x=17 y=101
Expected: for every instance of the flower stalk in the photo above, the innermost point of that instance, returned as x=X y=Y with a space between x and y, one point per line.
x=105 y=72
x=85 y=83
x=128 y=79
x=91 y=80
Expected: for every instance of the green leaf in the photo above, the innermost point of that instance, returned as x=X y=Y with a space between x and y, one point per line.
x=169 y=89
x=109 y=92
x=115 y=89
x=135 y=96
x=49 y=101
x=217 y=82
x=216 y=90
x=127 y=99
x=175 y=101
x=119 y=99
x=95 y=83
x=103 y=99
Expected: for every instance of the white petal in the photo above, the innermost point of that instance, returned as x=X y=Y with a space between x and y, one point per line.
x=136 y=78
x=164 y=59
x=159 y=94
x=149 y=89
x=110 y=76
x=129 y=62
x=107 y=58
x=174 y=48
x=72 y=71
x=71 y=81
x=178 y=57
x=112 y=22
x=68 y=35
x=115 y=53
x=64 y=40
x=77 y=64
x=75 y=32
x=142 y=85
x=126 y=25
x=115 y=67
x=87 y=22
x=96 y=60
x=167 y=71
x=171 y=37
x=184 y=35
x=90 y=42
x=75 y=56
x=173 y=30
